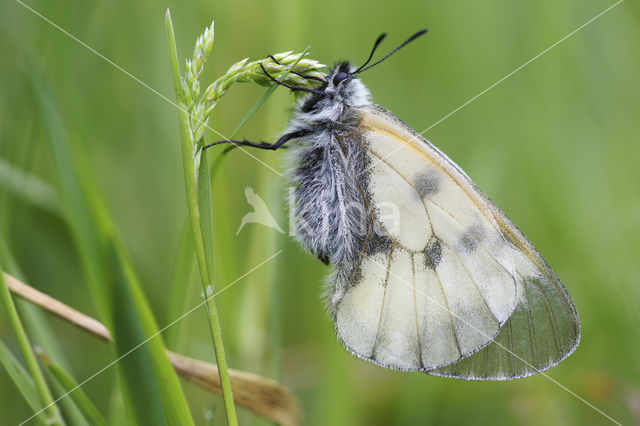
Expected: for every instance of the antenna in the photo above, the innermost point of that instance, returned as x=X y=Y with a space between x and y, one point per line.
x=375 y=46
x=410 y=39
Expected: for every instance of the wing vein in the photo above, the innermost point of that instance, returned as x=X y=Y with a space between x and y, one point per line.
x=480 y=243
x=469 y=273
x=415 y=307
x=486 y=361
x=366 y=148
x=486 y=212
x=384 y=298
x=446 y=304
x=534 y=346
x=554 y=323
x=513 y=355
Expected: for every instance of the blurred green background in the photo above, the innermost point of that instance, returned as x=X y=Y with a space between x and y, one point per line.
x=556 y=145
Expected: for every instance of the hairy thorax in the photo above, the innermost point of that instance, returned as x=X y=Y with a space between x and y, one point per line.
x=328 y=179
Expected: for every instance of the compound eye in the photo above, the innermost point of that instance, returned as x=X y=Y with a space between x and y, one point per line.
x=340 y=77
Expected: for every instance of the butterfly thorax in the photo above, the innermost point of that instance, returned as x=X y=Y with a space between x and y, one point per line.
x=338 y=97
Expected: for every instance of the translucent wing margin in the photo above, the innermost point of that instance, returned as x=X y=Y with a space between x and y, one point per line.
x=542 y=331
x=454 y=289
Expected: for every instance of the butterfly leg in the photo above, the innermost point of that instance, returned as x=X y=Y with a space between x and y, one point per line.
x=263 y=145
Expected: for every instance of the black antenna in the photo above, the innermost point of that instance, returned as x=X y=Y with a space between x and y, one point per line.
x=375 y=46
x=410 y=39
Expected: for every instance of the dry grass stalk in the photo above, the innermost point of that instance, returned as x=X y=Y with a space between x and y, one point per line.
x=258 y=394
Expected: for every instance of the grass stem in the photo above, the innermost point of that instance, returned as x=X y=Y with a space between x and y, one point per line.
x=193 y=166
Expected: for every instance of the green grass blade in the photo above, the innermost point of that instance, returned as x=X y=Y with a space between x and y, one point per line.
x=28 y=187
x=22 y=380
x=50 y=409
x=205 y=206
x=81 y=401
x=151 y=389
x=253 y=109
x=182 y=274
x=70 y=410
x=36 y=321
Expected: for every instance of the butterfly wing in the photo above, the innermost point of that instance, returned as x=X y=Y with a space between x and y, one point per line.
x=543 y=329
x=443 y=272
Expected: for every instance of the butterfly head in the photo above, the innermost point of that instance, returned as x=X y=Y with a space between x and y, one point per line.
x=339 y=76
x=342 y=85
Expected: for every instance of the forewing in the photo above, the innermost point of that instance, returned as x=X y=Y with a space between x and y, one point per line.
x=457 y=290
x=443 y=284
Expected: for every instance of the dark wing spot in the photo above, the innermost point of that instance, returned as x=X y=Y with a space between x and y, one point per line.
x=467 y=243
x=427 y=183
x=378 y=243
x=471 y=238
x=355 y=276
x=433 y=253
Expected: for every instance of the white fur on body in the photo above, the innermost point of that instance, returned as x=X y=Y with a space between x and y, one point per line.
x=328 y=171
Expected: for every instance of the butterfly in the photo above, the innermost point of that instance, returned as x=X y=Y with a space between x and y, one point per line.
x=427 y=273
